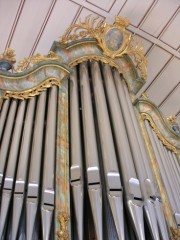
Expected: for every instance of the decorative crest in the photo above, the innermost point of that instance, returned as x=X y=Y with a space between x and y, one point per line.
x=113 y=39
x=27 y=63
x=7 y=59
x=8 y=55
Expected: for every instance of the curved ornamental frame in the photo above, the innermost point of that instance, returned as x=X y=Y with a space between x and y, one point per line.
x=92 y=39
x=170 y=138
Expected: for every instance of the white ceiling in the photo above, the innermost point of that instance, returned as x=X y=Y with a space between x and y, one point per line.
x=31 y=26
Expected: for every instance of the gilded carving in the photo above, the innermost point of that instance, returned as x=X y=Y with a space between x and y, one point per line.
x=63 y=219
x=175 y=233
x=33 y=91
x=27 y=63
x=113 y=39
x=158 y=133
x=8 y=55
x=96 y=58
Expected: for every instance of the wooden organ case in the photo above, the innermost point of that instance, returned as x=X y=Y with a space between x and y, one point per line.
x=80 y=156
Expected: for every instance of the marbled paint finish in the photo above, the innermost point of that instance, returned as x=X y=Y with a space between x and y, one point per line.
x=62 y=157
x=31 y=78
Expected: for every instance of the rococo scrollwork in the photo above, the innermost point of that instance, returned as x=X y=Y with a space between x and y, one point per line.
x=113 y=39
x=27 y=63
x=158 y=133
x=33 y=91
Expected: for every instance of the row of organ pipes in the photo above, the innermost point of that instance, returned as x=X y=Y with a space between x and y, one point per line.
x=22 y=166
x=108 y=161
x=99 y=99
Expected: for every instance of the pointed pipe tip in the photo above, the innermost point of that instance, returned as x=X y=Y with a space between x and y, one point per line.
x=31 y=209
x=136 y=213
x=116 y=204
x=6 y=197
x=17 y=210
x=96 y=206
x=46 y=215
x=78 y=205
x=150 y=214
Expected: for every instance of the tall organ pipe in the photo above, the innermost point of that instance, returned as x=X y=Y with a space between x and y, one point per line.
x=147 y=169
x=175 y=170
x=48 y=188
x=154 y=141
x=3 y=115
x=11 y=166
x=6 y=140
x=91 y=152
x=21 y=176
x=34 y=174
x=171 y=175
x=149 y=190
x=166 y=172
x=76 y=154
x=139 y=224
x=124 y=151
x=112 y=175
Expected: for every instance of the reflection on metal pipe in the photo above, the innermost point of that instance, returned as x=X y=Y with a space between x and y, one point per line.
x=160 y=215
x=143 y=166
x=3 y=115
x=171 y=175
x=174 y=169
x=6 y=140
x=161 y=219
x=135 y=207
x=91 y=153
x=76 y=154
x=48 y=190
x=112 y=176
x=20 y=183
x=34 y=174
x=11 y=167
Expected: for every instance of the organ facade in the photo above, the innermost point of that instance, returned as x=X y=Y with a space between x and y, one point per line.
x=80 y=156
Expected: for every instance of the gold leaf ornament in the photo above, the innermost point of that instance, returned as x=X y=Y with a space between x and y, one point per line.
x=28 y=63
x=63 y=219
x=9 y=55
x=114 y=40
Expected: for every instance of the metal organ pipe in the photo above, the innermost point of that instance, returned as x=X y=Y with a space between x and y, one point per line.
x=112 y=175
x=175 y=165
x=152 y=201
x=48 y=188
x=124 y=151
x=3 y=115
x=11 y=167
x=91 y=152
x=34 y=174
x=22 y=169
x=76 y=154
x=166 y=171
x=154 y=142
x=171 y=175
x=6 y=141
x=137 y=205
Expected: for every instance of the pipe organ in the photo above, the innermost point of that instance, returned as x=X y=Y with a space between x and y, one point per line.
x=80 y=156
